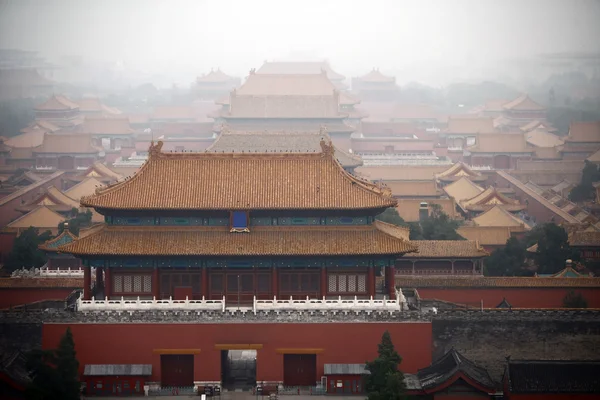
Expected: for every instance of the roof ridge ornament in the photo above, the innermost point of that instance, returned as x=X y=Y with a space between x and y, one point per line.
x=155 y=148
x=387 y=192
x=327 y=147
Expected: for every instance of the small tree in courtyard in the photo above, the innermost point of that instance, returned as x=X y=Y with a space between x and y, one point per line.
x=25 y=252
x=54 y=373
x=574 y=300
x=385 y=381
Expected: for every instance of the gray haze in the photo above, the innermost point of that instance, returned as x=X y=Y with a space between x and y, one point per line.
x=432 y=41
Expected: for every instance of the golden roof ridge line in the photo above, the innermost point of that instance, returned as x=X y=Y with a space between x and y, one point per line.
x=328 y=153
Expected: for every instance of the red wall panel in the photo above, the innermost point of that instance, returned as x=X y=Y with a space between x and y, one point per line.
x=517 y=297
x=7 y=240
x=14 y=297
x=341 y=343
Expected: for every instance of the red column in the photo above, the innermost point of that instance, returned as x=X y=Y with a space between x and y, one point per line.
x=155 y=284
x=87 y=283
x=371 y=282
x=204 y=283
x=323 y=282
x=274 y=282
x=390 y=282
x=107 y=282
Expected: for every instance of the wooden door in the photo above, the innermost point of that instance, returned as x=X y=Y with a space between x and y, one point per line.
x=66 y=162
x=299 y=284
x=502 y=161
x=299 y=369
x=240 y=285
x=177 y=370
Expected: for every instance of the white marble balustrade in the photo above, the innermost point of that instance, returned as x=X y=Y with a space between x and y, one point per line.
x=61 y=273
x=146 y=305
x=275 y=304
x=325 y=304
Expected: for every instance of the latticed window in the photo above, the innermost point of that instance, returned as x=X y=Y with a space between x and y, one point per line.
x=147 y=284
x=347 y=283
x=132 y=284
x=332 y=287
x=137 y=283
x=127 y=287
x=118 y=283
x=362 y=283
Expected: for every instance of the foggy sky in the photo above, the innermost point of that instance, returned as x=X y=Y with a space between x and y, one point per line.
x=433 y=36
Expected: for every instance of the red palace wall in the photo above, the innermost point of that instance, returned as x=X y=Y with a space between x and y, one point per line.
x=7 y=239
x=10 y=297
x=517 y=297
x=335 y=343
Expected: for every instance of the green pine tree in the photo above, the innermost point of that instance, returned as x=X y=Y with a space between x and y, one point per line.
x=68 y=366
x=54 y=373
x=385 y=381
x=574 y=300
x=391 y=216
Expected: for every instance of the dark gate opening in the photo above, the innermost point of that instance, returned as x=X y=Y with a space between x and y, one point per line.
x=238 y=369
x=299 y=369
x=177 y=370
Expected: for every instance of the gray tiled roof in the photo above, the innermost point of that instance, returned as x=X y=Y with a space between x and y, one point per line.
x=118 y=369
x=299 y=142
x=345 y=369
x=447 y=366
x=531 y=376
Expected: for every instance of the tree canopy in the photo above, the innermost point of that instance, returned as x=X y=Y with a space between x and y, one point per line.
x=552 y=252
x=585 y=190
x=391 y=216
x=25 y=251
x=574 y=300
x=54 y=373
x=15 y=115
x=553 y=248
x=437 y=226
x=78 y=221
x=507 y=261
x=385 y=381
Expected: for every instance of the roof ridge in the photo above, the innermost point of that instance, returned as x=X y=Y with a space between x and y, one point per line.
x=327 y=153
x=37 y=209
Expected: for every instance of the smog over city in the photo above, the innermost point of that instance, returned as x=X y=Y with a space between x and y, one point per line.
x=432 y=42
x=240 y=199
